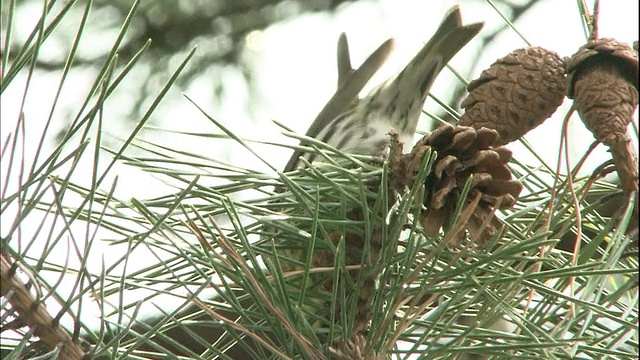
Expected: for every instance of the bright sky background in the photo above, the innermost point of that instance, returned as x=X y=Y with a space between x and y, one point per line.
x=294 y=68
x=295 y=63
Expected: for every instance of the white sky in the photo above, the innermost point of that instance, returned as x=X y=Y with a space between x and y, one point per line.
x=295 y=60
x=294 y=68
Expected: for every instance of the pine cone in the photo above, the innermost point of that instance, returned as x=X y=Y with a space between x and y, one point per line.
x=321 y=284
x=603 y=81
x=461 y=152
x=355 y=245
x=516 y=93
x=30 y=312
x=355 y=349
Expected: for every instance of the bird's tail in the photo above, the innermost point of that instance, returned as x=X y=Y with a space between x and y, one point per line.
x=405 y=94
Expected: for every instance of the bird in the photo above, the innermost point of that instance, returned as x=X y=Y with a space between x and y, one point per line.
x=361 y=126
x=350 y=83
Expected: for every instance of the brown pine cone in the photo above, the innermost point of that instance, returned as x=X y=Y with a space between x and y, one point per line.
x=603 y=81
x=355 y=246
x=462 y=152
x=31 y=313
x=355 y=349
x=516 y=93
x=321 y=284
